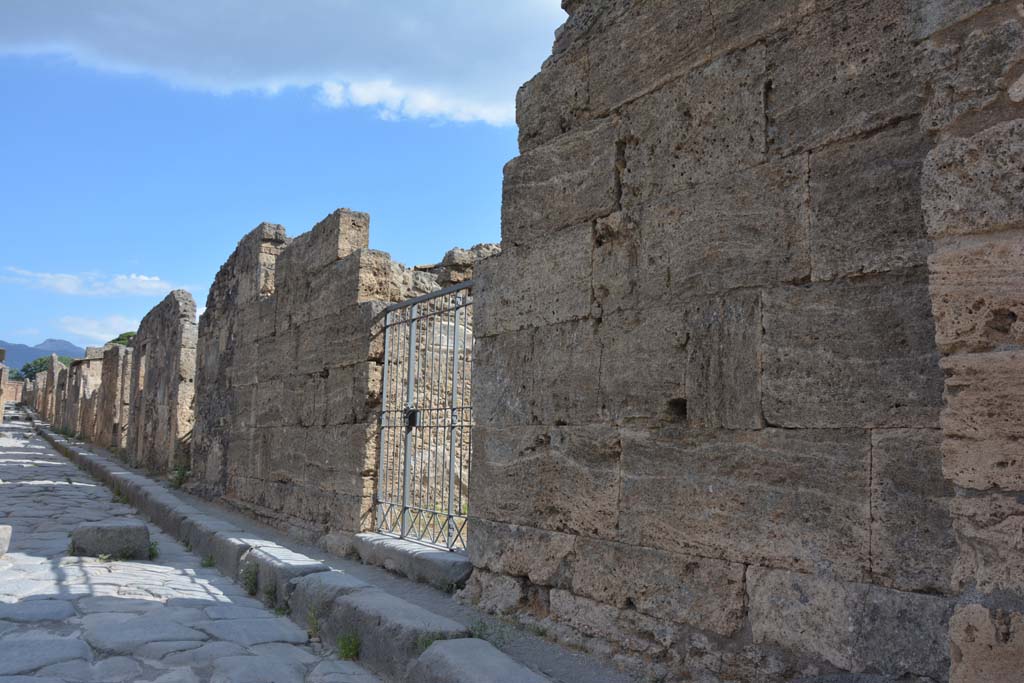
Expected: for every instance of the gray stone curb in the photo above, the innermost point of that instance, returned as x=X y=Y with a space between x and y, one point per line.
x=439 y=568
x=390 y=634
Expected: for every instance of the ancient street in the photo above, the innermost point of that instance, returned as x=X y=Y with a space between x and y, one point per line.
x=170 y=620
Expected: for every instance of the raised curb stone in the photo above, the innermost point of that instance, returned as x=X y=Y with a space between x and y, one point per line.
x=470 y=660
x=392 y=632
x=118 y=538
x=439 y=568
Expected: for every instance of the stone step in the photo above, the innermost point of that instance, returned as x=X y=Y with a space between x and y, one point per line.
x=441 y=569
x=387 y=633
x=469 y=660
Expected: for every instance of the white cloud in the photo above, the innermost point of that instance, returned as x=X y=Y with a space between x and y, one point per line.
x=461 y=59
x=90 y=284
x=98 y=329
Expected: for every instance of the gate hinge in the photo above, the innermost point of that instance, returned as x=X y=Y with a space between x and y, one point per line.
x=412 y=418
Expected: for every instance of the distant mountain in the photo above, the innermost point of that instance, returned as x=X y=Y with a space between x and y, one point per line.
x=19 y=354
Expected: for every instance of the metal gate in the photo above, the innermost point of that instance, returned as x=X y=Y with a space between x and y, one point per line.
x=426 y=418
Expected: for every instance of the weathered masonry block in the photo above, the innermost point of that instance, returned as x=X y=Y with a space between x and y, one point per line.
x=748 y=380
x=163 y=385
x=288 y=374
x=114 y=397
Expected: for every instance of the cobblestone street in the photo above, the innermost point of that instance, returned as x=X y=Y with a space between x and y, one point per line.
x=171 y=620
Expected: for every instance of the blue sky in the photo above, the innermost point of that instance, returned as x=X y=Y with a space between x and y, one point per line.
x=140 y=141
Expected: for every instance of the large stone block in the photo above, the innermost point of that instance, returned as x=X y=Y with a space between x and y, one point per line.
x=469 y=660
x=977 y=289
x=985 y=645
x=989 y=531
x=629 y=629
x=706 y=125
x=554 y=101
x=787 y=498
x=865 y=209
x=643 y=365
x=853 y=353
x=567 y=181
x=975 y=184
x=723 y=362
x=566 y=374
x=701 y=592
x=547 y=283
x=542 y=556
x=970 y=68
x=858 y=52
x=912 y=542
x=745 y=229
x=931 y=16
x=555 y=478
x=662 y=37
x=856 y=627
x=985 y=401
x=392 y=632
x=502 y=378
x=118 y=539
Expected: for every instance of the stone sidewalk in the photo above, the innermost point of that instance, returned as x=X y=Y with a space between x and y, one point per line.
x=169 y=620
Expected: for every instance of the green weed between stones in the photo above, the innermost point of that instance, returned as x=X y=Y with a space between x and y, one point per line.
x=179 y=475
x=425 y=641
x=348 y=646
x=313 y=616
x=250 y=579
x=207 y=561
x=154 y=550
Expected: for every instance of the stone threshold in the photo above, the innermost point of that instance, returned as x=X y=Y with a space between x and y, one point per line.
x=398 y=640
x=442 y=569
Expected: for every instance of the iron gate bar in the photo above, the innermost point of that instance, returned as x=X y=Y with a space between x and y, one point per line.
x=428 y=502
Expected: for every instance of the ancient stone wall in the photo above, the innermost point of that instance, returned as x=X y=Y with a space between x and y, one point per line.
x=288 y=374
x=707 y=381
x=973 y=199
x=14 y=391
x=52 y=390
x=77 y=412
x=163 y=385
x=114 y=397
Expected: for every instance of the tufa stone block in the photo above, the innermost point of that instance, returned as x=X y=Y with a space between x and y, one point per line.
x=121 y=539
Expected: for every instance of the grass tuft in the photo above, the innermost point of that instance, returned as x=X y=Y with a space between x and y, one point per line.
x=348 y=646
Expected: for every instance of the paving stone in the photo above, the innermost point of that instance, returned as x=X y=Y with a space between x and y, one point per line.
x=163 y=648
x=5 y=538
x=334 y=671
x=255 y=669
x=28 y=654
x=112 y=670
x=203 y=654
x=125 y=636
x=255 y=631
x=37 y=610
x=284 y=651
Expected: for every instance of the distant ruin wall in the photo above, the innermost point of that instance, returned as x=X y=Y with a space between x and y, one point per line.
x=163 y=385
x=114 y=397
x=13 y=391
x=52 y=388
x=288 y=374
x=707 y=382
x=77 y=405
